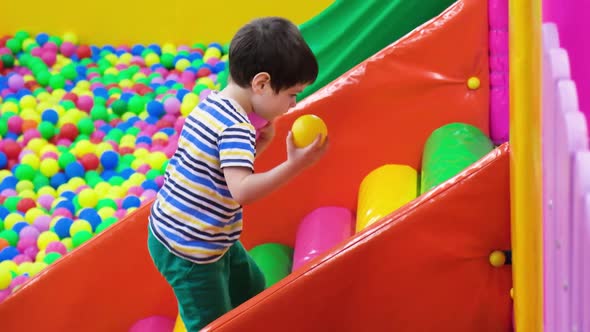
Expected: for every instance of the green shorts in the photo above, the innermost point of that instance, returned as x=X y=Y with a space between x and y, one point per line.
x=207 y=291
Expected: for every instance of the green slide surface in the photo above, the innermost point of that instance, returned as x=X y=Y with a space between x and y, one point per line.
x=350 y=31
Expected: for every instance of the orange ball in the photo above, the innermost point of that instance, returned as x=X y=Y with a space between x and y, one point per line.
x=3 y=244
x=29 y=124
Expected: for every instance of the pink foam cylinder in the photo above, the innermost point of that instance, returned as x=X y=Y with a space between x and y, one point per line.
x=320 y=231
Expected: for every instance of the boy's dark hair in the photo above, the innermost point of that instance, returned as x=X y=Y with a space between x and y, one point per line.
x=273 y=45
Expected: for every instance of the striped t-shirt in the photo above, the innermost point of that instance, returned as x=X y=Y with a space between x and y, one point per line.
x=194 y=214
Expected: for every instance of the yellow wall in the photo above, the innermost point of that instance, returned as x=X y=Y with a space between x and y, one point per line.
x=148 y=21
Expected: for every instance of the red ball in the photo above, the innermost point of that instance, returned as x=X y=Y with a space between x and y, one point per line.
x=11 y=163
x=11 y=149
x=84 y=52
x=69 y=131
x=1 y=65
x=115 y=122
x=203 y=72
x=125 y=150
x=2 y=199
x=25 y=205
x=90 y=162
x=70 y=96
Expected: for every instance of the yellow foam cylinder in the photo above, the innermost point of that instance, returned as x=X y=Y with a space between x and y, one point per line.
x=179 y=325
x=383 y=191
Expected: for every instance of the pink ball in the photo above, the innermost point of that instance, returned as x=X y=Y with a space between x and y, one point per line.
x=56 y=247
x=99 y=123
x=15 y=124
x=162 y=71
x=136 y=190
x=16 y=82
x=179 y=124
x=140 y=124
x=169 y=151
x=149 y=194
x=119 y=202
x=172 y=77
x=121 y=66
x=150 y=130
x=143 y=169
x=9 y=192
x=213 y=61
x=64 y=142
x=85 y=103
x=120 y=214
x=50 y=155
x=37 y=51
x=159 y=180
x=30 y=134
x=29 y=232
x=98 y=135
x=50 y=46
x=42 y=223
x=153 y=324
x=31 y=252
x=146 y=71
x=94 y=75
x=19 y=259
x=169 y=118
x=204 y=94
x=68 y=49
x=6 y=292
x=5 y=50
x=18 y=281
x=157 y=80
x=50 y=58
x=25 y=243
x=23 y=153
x=46 y=201
x=187 y=77
x=137 y=60
x=62 y=212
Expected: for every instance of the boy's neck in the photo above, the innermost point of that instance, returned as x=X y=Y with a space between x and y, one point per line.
x=238 y=94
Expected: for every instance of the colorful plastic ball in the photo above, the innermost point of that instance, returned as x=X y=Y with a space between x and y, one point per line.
x=74 y=170
x=56 y=247
x=131 y=202
x=45 y=238
x=8 y=253
x=80 y=225
x=306 y=129
x=16 y=82
x=86 y=126
x=19 y=226
x=51 y=257
x=26 y=204
x=5 y=278
x=49 y=167
x=10 y=236
x=62 y=227
x=25 y=243
x=50 y=116
x=24 y=172
x=119 y=107
x=90 y=161
x=88 y=198
x=81 y=237
x=29 y=232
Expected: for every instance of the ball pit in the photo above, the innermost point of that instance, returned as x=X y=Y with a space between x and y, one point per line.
x=86 y=134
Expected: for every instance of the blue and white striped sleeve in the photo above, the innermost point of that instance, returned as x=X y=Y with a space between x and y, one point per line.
x=237 y=146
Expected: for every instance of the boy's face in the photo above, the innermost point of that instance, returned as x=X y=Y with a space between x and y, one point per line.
x=270 y=105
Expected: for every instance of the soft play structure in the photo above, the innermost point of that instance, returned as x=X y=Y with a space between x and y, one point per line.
x=436 y=208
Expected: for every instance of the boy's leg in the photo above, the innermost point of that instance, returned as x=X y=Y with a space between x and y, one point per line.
x=201 y=289
x=245 y=278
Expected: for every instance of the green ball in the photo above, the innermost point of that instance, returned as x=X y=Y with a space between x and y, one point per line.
x=11 y=202
x=200 y=46
x=10 y=236
x=86 y=126
x=222 y=79
x=69 y=71
x=99 y=112
x=116 y=180
x=115 y=90
x=93 y=182
x=57 y=82
x=152 y=174
x=82 y=137
x=43 y=78
x=136 y=104
x=105 y=224
x=119 y=107
x=164 y=167
x=113 y=116
x=40 y=181
x=51 y=257
x=199 y=88
x=31 y=47
x=100 y=101
x=1 y=225
x=127 y=159
x=3 y=128
x=56 y=40
x=14 y=45
x=197 y=63
x=25 y=59
x=167 y=60
x=134 y=69
x=125 y=75
x=24 y=172
x=7 y=60
x=47 y=129
x=133 y=131
x=81 y=237
x=115 y=135
x=178 y=86
x=106 y=202
x=68 y=104
x=161 y=90
x=226 y=48
x=21 y=35
x=65 y=159
x=86 y=62
x=76 y=202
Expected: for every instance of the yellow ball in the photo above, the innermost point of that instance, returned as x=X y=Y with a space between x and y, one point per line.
x=102 y=147
x=28 y=194
x=182 y=64
x=88 y=198
x=28 y=102
x=11 y=219
x=152 y=59
x=48 y=148
x=77 y=182
x=31 y=160
x=10 y=106
x=169 y=48
x=40 y=256
x=25 y=267
x=9 y=265
x=36 y=144
x=126 y=83
x=140 y=153
x=102 y=188
x=160 y=135
x=84 y=147
x=137 y=163
x=207 y=82
x=473 y=83
x=190 y=99
x=125 y=58
x=116 y=192
x=106 y=212
x=5 y=278
x=46 y=238
x=49 y=167
x=212 y=52
x=80 y=225
x=306 y=129
x=67 y=242
x=138 y=76
x=157 y=159
x=137 y=179
x=37 y=267
x=24 y=185
x=33 y=214
x=47 y=190
x=497 y=258
x=4 y=173
x=111 y=58
x=70 y=37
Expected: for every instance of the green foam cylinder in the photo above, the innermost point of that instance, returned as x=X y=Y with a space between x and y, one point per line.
x=449 y=150
x=274 y=259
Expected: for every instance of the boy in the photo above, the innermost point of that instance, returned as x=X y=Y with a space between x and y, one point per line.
x=196 y=219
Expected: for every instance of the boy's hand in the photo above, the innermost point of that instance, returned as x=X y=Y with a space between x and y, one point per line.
x=304 y=157
x=267 y=133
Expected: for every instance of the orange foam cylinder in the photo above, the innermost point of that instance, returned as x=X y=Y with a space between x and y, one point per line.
x=383 y=191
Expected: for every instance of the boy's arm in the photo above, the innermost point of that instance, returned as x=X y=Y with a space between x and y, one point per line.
x=247 y=187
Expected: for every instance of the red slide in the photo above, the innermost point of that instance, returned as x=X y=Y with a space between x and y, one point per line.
x=423 y=268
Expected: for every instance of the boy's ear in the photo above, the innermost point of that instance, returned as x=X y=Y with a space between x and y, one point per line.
x=261 y=82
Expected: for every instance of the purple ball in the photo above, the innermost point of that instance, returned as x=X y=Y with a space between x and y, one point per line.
x=172 y=105
x=143 y=169
x=56 y=247
x=204 y=94
x=159 y=180
x=25 y=243
x=18 y=281
x=31 y=252
x=16 y=82
x=4 y=294
x=9 y=192
x=29 y=232
x=42 y=223
x=46 y=201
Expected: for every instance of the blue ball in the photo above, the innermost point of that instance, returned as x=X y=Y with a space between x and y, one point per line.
x=11 y=136
x=62 y=227
x=8 y=253
x=3 y=212
x=109 y=48
x=123 y=126
x=219 y=67
x=19 y=226
x=81 y=70
x=50 y=115
x=132 y=120
x=3 y=160
x=105 y=128
x=10 y=181
x=109 y=159
x=58 y=179
x=181 y=93
x=156 y=48
x=150 y=184
x=126 y=173
x=125 y=96
x=195 y=56
x=168 y=131
x=137 y=49
x=66 y=205
x=144 y=139
x=91 y=216
x=151 y=120
x=42 y=38
x=170 y=83
x=155 y=109
x=23 y=92
x=101 y=92
x=75 y=170
x=217 y=46
x=131 y=201
x=68 y=194
x=107 y=174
